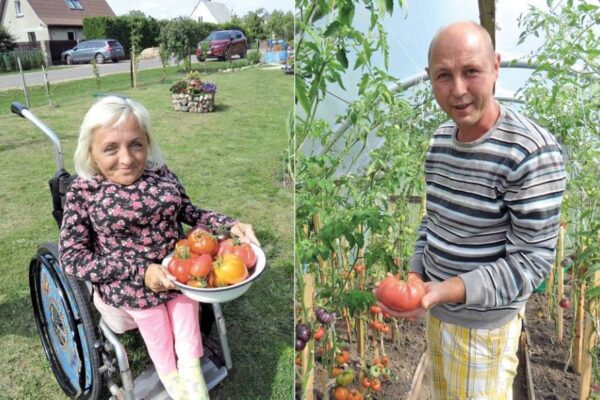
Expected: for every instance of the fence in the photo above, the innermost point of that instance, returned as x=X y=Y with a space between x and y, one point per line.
x=29 y=59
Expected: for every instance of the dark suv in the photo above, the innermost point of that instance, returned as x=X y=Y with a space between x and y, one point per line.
x=223 y=45
x=98 y=49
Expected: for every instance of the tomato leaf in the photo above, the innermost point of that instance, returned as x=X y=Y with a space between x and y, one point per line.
x=357 y=300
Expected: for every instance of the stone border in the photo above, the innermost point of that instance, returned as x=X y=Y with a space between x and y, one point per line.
x=201 y=103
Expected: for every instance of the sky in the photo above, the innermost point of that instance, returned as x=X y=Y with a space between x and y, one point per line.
x=161 y=9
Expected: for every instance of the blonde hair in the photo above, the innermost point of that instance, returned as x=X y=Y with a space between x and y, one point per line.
x=110 y=112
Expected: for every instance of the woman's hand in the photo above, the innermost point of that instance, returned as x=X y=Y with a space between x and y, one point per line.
x=245 y=233
x=158 y=279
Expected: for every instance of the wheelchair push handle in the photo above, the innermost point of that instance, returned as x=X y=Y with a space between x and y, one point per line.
x=24 y=112
x=17 y=108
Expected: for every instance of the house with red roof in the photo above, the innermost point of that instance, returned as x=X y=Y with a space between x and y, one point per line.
x=53 y=25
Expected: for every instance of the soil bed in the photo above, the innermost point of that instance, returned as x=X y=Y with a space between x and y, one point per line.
x=404 y=356
x=548 y=356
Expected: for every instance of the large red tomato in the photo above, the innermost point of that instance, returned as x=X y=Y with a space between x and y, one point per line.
x=181 y=270
x=180 y=264
x=229 y=270
x=401 y=295
x=201 y=265
x=242 y=250
x=203 y=242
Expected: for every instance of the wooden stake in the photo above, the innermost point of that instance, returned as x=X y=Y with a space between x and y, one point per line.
x=560 y=250
x=308 y=361
x=322 y=263
x=579 y=331
x=589 y=343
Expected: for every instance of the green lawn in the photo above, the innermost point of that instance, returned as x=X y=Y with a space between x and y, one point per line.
x=231 y=160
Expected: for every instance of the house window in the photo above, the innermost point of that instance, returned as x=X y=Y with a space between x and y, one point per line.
x=31 y=36
x=74 y=4
x=70 y=35
x=18 y=10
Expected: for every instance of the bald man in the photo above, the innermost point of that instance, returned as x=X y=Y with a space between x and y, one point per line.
x=495 y=181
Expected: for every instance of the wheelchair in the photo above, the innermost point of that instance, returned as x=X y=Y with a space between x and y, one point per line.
x=84 y=353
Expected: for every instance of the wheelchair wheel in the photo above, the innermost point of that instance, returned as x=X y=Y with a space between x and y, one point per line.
x=61 y=306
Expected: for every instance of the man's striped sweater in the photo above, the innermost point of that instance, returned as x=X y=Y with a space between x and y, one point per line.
x=493 y=208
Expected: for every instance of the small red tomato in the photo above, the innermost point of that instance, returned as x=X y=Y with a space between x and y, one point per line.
x=201 y=265
x=359 y=268
x=375 y=310
x=376 y=384
x=319 y=333
x=365 y=382
x=341 y=393
x=197 y=282
x=565 y=303
x=355 y=395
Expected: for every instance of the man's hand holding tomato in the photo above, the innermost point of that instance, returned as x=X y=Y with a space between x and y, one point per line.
x=436 y=293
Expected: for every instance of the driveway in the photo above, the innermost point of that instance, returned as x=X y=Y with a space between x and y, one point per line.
x=73 y=72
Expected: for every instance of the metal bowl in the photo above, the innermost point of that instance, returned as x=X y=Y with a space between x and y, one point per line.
x=226 y=293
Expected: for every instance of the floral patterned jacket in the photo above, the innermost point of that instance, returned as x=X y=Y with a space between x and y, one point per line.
x=110 y=233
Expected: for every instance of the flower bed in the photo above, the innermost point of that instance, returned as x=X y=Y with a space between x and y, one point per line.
x=192 y=95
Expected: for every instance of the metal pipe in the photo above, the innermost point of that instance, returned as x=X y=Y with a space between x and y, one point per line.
x=222 y=334
x=58 y=154
x=423 y=77
x=119 y=349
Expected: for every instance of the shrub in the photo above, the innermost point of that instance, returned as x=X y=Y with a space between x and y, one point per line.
x=253 y=57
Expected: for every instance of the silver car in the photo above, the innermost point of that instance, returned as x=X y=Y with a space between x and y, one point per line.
x=96 y=49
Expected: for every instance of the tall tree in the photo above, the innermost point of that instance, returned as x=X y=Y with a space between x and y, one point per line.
x=281 y=24
x=7 y=41
x=179 y=38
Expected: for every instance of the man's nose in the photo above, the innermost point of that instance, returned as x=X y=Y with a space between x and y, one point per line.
x=459 y=87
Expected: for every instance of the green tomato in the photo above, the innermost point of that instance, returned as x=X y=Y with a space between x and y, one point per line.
x=375 y=371
x=345 y=378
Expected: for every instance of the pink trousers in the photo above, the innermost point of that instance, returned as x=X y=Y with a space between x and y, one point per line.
x=169 y=329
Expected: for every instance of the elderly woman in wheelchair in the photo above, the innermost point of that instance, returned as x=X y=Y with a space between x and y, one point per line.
x=122 y=216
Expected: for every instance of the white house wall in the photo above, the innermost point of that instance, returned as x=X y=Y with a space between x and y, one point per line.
x=28 y=22
x=62 y=33
x=203 y=14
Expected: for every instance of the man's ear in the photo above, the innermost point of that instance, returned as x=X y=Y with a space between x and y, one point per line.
x=427 y=71
x=497 y=63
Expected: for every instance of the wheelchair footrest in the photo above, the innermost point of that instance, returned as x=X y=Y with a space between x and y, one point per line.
x=149 y=387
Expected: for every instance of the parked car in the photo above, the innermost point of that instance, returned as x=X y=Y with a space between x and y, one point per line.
x=98 y=49
x=223 y=45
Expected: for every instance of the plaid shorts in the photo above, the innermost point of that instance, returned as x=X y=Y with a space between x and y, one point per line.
x=473 y=364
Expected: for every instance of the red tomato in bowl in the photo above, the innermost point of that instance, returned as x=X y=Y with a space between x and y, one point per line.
x=242 y=250
x=401 y=295
x=203 y=242
x=180 y=269
x=201 y=265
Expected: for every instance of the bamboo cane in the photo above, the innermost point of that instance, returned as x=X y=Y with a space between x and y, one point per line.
x=322 y=263
x=308 y=375
x=589 y=342
x=560 y=249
